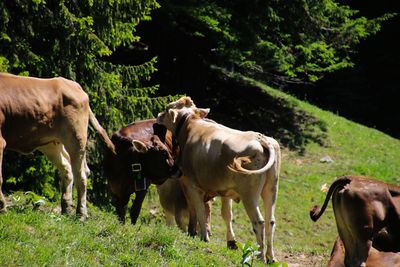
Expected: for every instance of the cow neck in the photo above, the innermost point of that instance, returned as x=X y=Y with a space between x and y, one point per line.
x=180 y=125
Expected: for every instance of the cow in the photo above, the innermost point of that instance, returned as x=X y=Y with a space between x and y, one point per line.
x=375 y=258
x=220 y=161
x=177 y=207
x=143 y=157
x=52 y=116
x=367 y=213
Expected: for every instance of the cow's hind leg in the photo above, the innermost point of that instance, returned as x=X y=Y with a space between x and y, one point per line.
x=56 y=153
x=250 y=203
x=77 y=153
x=269 y=196
x=226 y=212
x=137 y=205
x=3 y=204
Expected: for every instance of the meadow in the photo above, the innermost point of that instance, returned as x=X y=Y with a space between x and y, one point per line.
x=33 y=233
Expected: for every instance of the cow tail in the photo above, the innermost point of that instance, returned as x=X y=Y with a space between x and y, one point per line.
x=317 y=211
x=238 y=162
x=100 y=130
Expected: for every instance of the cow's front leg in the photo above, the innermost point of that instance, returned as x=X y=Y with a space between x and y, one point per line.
x=120 y=204
x=137 y=205
x=197 y=200
x=226 y=212
x=192 y=226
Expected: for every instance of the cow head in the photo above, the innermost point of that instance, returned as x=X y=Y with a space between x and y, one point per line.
x=183 y=102
x=173 y=118
x=157 y=159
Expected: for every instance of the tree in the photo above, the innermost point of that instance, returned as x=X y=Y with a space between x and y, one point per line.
x=274 y=40
x=76 y=39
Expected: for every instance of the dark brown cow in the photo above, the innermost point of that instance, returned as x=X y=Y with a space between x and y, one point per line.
x=375 y=258
x=49 y=115
x=367 y=213
x=141 y=145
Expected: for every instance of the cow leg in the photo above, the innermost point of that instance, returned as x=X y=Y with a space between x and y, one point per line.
x=250 y=203
x=77 y=153
x=120 y=207
x=169 y=218
x=226 y=212
x=269 y=195
x=208 y=206
x=56 y=153
x=137 y=205
x=3 y=204
x=197 y=199
x=80 y=179
x=192 y=226
x=179 y=216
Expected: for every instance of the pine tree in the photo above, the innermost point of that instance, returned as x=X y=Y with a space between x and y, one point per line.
x=76 y=40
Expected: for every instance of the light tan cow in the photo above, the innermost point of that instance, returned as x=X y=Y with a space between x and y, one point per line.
x=49 y=115
x=220 y=161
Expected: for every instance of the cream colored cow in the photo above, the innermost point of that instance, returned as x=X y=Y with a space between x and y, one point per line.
x=49 y=115
x=220 y=161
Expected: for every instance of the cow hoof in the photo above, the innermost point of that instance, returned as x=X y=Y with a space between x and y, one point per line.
x=192 y=234
x=231 y=244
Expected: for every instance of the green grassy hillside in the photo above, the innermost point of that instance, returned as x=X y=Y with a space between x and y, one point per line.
x=32 y=236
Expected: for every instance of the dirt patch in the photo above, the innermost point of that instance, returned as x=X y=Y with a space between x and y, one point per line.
x=302 y=259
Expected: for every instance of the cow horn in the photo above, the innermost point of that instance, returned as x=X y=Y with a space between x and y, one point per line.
x=139 y=146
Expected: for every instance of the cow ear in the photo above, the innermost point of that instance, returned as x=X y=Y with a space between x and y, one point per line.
x=202 y=112
x=139 y=146
x=173 y=114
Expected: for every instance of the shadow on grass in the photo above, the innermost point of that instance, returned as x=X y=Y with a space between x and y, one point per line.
x=241 y=105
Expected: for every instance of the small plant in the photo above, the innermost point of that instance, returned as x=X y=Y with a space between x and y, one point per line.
x=277 y=264
x=249 y=252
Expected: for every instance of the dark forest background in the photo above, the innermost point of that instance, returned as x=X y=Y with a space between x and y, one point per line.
x=367 y=92
x=133 y=57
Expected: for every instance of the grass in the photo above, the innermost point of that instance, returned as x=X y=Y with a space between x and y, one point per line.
x=39 y=236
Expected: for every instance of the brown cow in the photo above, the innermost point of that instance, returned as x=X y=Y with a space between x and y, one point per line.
x=367 y=213
x=375 y=258
x=220 y=161
x=49 y=115
x=143 y=148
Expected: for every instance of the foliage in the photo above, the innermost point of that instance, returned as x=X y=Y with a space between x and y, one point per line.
x=273 y=40
x=76 y=39
x=249 y=253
